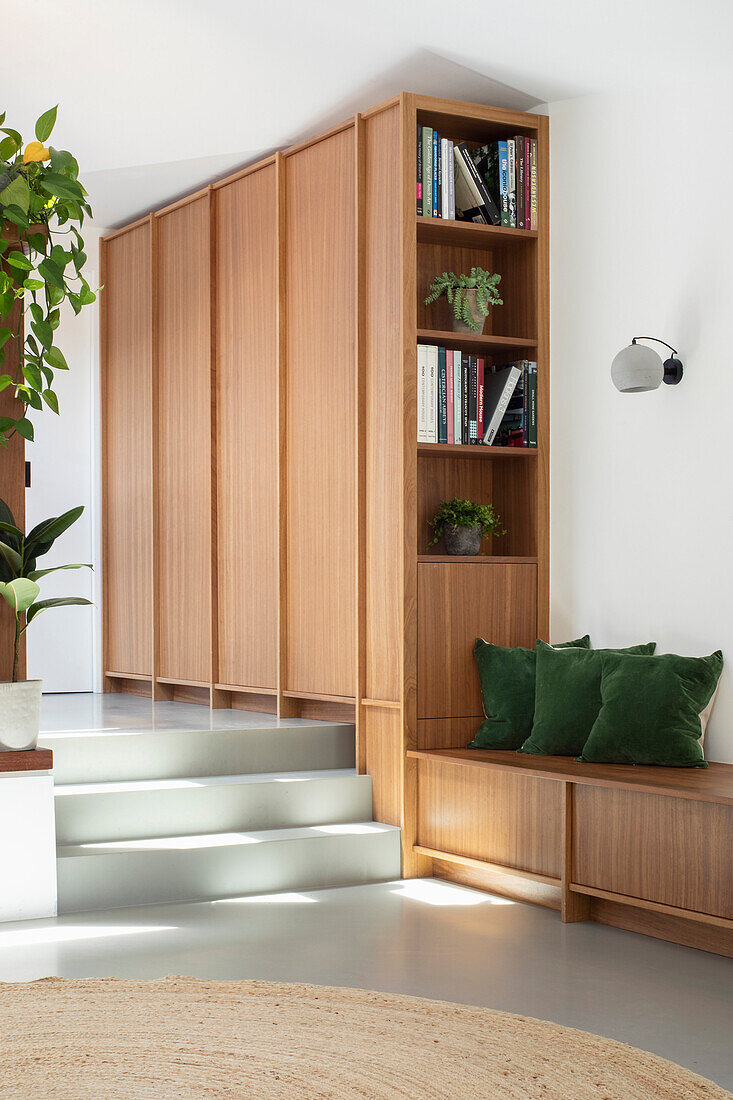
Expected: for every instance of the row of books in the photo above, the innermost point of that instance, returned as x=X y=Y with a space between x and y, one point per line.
x=494 y=184
x=463 y=399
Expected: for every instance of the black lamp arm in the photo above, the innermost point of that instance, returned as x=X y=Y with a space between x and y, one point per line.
x=655 y=340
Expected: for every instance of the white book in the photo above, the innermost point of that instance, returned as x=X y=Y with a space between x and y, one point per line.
x=432 y=410
x=498 y=390
x=444 y=175
x=422 y=393
x=457 y=394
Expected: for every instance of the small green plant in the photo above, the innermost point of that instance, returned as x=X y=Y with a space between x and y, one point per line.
x=455 y=288
x=18 y=573
x=41 y=200
x=464 y=513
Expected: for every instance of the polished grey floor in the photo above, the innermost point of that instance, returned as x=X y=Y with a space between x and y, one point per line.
x=420 y=937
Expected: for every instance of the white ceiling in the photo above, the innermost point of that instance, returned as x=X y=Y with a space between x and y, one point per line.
x=158 y=96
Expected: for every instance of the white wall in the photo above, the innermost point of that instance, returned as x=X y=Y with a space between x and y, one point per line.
x=63 y=643
x=642 y=484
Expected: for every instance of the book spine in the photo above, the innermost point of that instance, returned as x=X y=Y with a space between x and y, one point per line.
x=442 y=179
x=457 y=410
x=480 y=403
x=512 y=377
x=527 y=184
x=451 y=183
x=533 y=197
x=511 y=161
x=436 y=163
x=427 y=172
x=478 y=186
x=422 y=394
x=533 y=405
x=504 y=182
x=419 y=169
x=525 y=403
x=473 y=401
x=519 y=144
x=449 y=397
x=432 y=393
x=442 y=398
x=465 y=364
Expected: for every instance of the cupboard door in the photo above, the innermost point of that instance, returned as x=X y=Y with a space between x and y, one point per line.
x=183 y=459
x=127 y=454
x=320 y=556
x=247 y=437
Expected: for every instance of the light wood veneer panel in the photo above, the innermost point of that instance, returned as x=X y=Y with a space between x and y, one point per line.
x=321 y=476
x=502 y=817
x=184 y=443
x=247 y=554
x=654 y=847
x=127 y=453
x=456 y=604
x=382 y=731
x=383 y=287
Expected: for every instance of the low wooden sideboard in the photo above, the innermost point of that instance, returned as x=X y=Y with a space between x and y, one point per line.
x=643 y=848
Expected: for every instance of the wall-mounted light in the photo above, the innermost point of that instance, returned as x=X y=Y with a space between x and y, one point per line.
x=637 y=368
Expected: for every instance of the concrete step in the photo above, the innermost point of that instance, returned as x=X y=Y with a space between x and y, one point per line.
x=132 y=810
x=120 y=755
x=220 y=865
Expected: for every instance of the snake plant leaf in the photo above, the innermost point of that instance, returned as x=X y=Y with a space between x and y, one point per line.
x=58 y=601
x=19 y=593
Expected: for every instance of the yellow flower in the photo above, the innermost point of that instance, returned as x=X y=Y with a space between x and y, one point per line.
x=35 y=150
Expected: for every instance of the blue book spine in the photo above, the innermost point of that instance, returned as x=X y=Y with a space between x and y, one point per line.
x=504 y=182
x=436 y=155
x=442 y=398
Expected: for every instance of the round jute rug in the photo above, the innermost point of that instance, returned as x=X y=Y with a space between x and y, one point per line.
x=181 y=1037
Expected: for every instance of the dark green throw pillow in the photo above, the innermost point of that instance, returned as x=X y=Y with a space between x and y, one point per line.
x=507 y=675
x=568 y=698
x=653 y=710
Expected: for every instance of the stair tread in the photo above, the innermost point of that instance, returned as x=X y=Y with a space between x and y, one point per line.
x=53 y=737
x=135 y=785
x=240 y=839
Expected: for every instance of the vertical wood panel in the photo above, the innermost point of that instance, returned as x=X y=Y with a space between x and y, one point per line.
x=543 y=379
x=184 y=442
x=321 y=333
x=127 y=453
x=247 y=441
x=383 y=762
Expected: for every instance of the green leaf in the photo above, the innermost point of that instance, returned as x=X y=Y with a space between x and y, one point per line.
x=19 y=593
x=44 y=332
x=5 y=381
x=36 y=574
x=50 y=529
x=51 y=273
x=7 y=148
x=25 y=428
x=51 y=400
x=17 y=193
x=5 y=334
x=17 y=259
x=55 y=358
x=59 y=601
x=45 y=124
x=12 y=557
x=7 y=524
x=34 y=399
x=63 y=162
x=13 y=134
x=32 y=375
x=33 y=284
x=60 y=187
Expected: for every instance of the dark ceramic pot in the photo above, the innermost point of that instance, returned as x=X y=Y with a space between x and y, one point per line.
x=462 y=540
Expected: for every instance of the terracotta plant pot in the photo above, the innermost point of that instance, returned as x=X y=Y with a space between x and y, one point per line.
x=478 y=316
x=20 y=715
x=462 y=540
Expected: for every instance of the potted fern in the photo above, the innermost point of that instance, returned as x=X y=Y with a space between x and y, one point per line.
x=20 y=701
x=463 y=525
x=471 y=297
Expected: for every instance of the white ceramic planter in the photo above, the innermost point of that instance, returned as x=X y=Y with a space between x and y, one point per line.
x=20 y=715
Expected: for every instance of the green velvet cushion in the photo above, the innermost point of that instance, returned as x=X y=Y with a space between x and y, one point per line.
x=651 y=710
x=507 y=677
x=568 y=698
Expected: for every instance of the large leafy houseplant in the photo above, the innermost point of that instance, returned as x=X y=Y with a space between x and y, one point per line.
x=19 y=575
x=42 y=262
x=471 y=296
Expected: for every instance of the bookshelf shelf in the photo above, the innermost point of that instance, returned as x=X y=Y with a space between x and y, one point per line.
x=470 y=234
x=474 y=559
x=458 y=450
x=480 y=342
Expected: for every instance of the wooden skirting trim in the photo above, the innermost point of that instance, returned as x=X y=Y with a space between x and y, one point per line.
x=246 y=690
x=503 y=883
x=663 y=926
x=34 y=760
x=388 y=704
x=318 y=697
x=653 y=906
x=485 y=865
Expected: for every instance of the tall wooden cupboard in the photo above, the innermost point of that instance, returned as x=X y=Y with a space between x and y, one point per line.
x=265 y=499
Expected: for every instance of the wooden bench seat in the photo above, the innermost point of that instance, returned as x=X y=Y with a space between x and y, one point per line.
x=643 y=848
